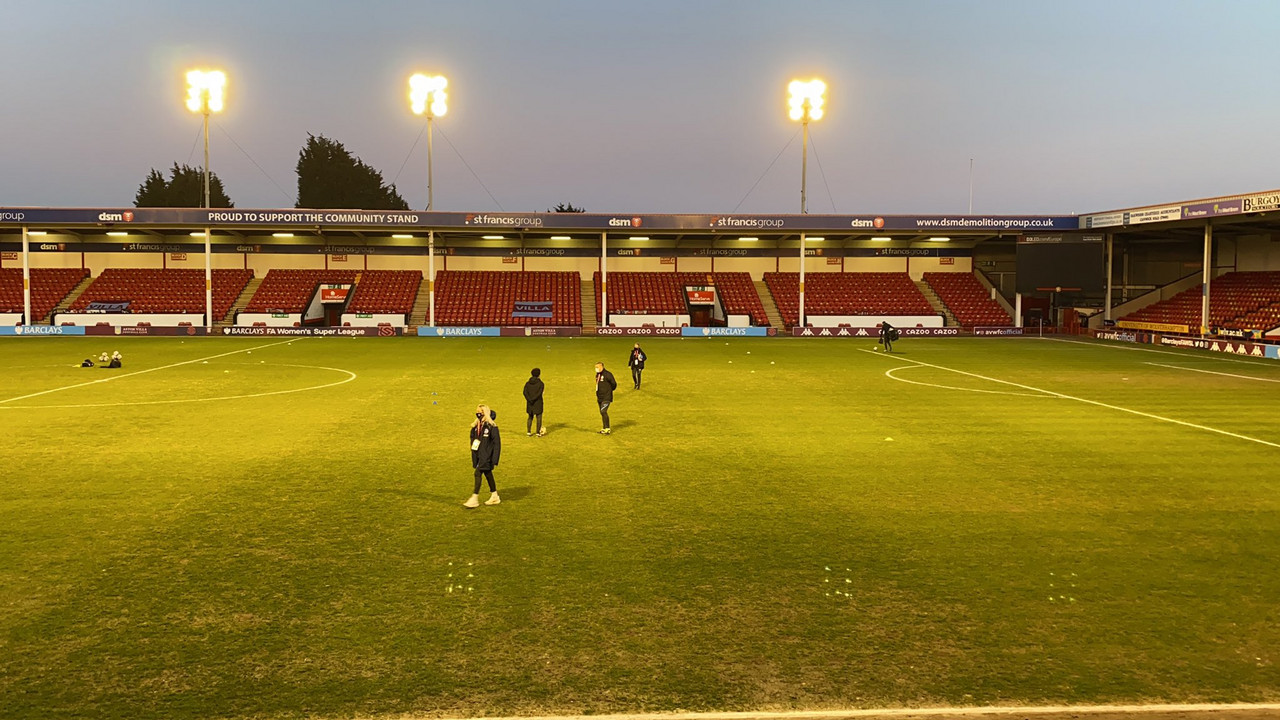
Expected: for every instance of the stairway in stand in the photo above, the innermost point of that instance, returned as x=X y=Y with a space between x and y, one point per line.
x=589 y=321
x=240 y=303
x=770 y=307
x=421 y=305
x=70 y=298
x=936 y=303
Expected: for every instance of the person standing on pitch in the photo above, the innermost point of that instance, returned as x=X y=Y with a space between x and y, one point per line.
x=605 y=385
x=636 y=362
x=486 y=448
x=533 y=388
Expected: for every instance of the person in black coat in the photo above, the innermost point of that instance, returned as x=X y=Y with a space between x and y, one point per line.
x=486 y=449
x=533 y=388
x=605 y=385
x=636 y=362
x=887 y=335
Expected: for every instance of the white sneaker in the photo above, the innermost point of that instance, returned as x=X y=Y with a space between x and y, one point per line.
x=604 y=431
x=493 y=499
x=472 y=502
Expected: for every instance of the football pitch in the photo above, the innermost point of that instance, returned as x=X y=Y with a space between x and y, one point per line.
x=274 y=527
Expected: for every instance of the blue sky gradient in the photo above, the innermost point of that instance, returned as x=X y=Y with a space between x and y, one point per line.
x=658 y=106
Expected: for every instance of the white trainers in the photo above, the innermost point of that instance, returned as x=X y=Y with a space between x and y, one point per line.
x=604 y=431
x=493 y=499
x=472 y=502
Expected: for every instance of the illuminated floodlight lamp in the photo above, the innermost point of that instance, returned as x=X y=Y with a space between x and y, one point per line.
x=939 y=239
x=402 y=237
x=118 y=233
x=639 y=237
x=205 y=90
x=748 y=239
x=37 y=232
x=815 y=239
x=427 y=95
x=807 y=99
x=491 y=237
x=282 y=235
x=561 y=237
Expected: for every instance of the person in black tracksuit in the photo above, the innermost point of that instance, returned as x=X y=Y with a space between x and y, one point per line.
x=605 y=385
x=486 y=449
x=636 y=361
x=533 y=388
x=887 y=335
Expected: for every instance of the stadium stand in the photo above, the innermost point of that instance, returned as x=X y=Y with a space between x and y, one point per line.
x=386 y=291
x=967 y=299
x=376 y=291
x=662 y=293
x=289 y=291
x=476 y=297
x=1237 y=300
x=164 y=290
x=854 y=293
x=48 y=288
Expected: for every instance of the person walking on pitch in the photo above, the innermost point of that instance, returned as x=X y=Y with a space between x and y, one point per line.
x=636 y=362
x=486 y=449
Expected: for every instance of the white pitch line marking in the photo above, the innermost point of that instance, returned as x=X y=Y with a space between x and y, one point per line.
x=138 y=372
x=1211 y=372
x=350 y=376
x=1216 y=357
x=890 y=374
x=1140 y=413
x=919 y=712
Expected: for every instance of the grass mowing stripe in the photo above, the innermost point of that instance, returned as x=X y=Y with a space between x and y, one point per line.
x=931 y=712
x=1161 y=418
x=140 y=372
x=1211 y=372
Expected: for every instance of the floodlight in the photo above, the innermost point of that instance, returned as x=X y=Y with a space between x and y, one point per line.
x=205 y=90
x=426 y=92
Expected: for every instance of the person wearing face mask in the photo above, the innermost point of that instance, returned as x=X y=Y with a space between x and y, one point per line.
x=605 y=385
x=486 y=448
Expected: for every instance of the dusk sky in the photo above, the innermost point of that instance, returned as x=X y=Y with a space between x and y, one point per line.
x=657 y=106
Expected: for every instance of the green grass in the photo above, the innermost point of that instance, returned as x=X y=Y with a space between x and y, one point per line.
x=748 y=538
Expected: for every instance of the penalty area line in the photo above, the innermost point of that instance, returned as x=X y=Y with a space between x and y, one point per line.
x=141 y=372
x=1096 y=403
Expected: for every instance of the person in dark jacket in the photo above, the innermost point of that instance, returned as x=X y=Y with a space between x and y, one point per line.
x=888 y=334
x=605 y=385
x=533 y=388
x=636 y=362
x=486 y=448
